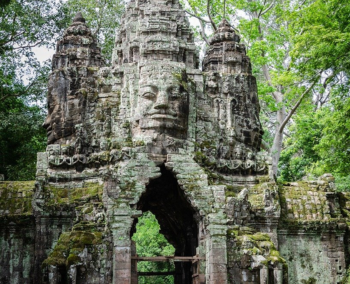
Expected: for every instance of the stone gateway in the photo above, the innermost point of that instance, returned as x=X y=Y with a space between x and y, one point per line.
x=155 y=133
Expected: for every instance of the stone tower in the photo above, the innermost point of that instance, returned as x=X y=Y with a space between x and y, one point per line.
x=155 y=133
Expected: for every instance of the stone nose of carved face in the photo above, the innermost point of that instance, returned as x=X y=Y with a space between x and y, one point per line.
x=162 y=101
x=47 y=123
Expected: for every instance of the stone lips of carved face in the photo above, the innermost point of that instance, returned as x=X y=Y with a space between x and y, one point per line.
x=63 y=111
x=162 y=105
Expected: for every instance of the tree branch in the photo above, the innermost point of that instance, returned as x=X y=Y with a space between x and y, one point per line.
x=201 y=21
x=211 y=20
x=198 y=17
x=28 y=46
x=203 y=33
x=292 y=111
x=4 y=97
x=267 y=9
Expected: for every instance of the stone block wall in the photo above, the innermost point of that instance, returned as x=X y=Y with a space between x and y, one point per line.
x=17 y=232
x=313 y=257
x=312 y=231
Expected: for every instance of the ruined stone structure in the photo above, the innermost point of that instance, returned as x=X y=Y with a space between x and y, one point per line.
x=154 y=133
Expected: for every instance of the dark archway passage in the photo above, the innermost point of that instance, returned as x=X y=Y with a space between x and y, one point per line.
x=176 y=217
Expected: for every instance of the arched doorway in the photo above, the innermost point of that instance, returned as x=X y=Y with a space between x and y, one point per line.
x=178 y=220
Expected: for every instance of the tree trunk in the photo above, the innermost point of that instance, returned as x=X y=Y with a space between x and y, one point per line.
x=276 y=148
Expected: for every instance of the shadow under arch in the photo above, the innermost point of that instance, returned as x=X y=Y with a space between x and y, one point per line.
x=178 y=220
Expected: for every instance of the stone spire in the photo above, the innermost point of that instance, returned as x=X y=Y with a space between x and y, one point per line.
x=155 y=30
x=225 y=53
x=224 y=32
x=79 y=18
x=70 y=83
x=77 y=47
x=235 y=106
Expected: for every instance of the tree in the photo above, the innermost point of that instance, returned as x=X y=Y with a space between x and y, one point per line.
x=24 y=25
x=321 y=43
x=21 y=137
x=299 y=153
x=319 y=141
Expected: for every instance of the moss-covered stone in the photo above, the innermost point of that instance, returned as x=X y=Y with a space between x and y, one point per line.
x=63 y=196
x=306 y=206
x=71 y=244
x=248 y=242
x=16 y=198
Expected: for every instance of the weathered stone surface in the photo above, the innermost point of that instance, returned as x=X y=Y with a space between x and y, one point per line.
x=71 y=85
x=153 y=132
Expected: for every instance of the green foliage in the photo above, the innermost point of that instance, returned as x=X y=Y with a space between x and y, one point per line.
x=322 y=34
x=299 y=153
x=319 y=142
x=21 y=137
x=149 y=242
x=24 y=25
x=334 y=146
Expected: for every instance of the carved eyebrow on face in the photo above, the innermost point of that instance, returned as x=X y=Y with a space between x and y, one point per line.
x=148 y=87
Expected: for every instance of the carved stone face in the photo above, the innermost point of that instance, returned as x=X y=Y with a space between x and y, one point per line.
x=162 y=103
x=63 y=111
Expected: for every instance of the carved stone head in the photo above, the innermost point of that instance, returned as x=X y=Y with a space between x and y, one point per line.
x=162 y=104
x=70 y=82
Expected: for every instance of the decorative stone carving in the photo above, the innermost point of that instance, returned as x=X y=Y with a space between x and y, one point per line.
x=70 y=85
x=162 y=103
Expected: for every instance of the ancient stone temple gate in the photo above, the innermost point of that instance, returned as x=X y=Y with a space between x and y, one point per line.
x=155 y=133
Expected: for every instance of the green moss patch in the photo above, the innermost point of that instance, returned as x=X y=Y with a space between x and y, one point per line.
x=59 y=196
x=304 y=204
x=16 y=197
x=248 y=242
x=71 y=244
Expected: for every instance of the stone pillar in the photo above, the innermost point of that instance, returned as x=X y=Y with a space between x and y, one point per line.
x=278 y=274
x=122 y=265
x=216 y=258
x=134 y=275
x=122 y=248
x=264 y=275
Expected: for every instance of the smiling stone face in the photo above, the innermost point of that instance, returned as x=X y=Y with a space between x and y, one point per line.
x=162 y=103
